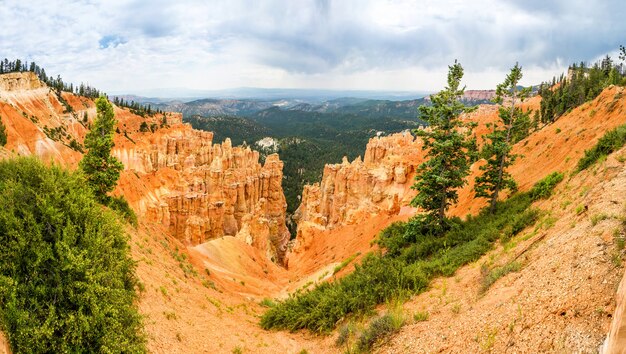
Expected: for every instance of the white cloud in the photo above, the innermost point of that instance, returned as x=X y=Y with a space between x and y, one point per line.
x=349 y=44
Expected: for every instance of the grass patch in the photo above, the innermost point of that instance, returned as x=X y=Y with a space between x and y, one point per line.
x=421 y=316
x=596 y=218
x=543 y=189
x=610 y=142
x=489 y=277
x=346 y=332
x=380 y=328
x=345 y=263
x=267 y=302
x=410 y=257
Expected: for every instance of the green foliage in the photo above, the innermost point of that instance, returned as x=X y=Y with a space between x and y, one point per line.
x=267 y=302
x=446 y=144
x=421 y=316
x=101 y=169
x=75 y=145
x=67 y=108
x=543 y=189
x=66 y=277
x=120 y=205
x=143 y=127
x=346 y=261
x=306 y=140
x=3 y=134
x=611 y=141
x=379 y=328
x=584 y=84
x=497 y=152
x=413 y=259
x=489 y=277
x=392 y=238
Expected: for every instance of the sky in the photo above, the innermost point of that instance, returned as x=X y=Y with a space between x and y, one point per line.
x=133 y=46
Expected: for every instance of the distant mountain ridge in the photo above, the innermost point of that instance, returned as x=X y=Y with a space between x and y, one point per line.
x=209 y=107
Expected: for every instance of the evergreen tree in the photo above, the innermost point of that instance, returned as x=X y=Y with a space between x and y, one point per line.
x=497 y=151
x=143 y=127
x=446 y=142
x=101 y=169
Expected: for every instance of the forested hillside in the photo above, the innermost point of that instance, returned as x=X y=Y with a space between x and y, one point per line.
x=306 y=140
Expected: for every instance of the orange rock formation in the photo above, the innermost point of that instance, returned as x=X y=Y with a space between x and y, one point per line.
x=174 y=176
x=352 y=192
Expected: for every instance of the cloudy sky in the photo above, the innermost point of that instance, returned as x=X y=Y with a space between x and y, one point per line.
x=129 y=46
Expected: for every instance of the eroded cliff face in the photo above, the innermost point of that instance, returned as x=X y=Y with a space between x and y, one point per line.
x=36 y=121
x=351 y=192
x=202 y=191
x=174 y=175
x=20 y=81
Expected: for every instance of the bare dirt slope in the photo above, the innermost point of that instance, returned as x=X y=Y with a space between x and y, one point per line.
x=191 y=311
x=563 y=297
x=554 y=147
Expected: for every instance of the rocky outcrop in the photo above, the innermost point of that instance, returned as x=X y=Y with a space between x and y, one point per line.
x=352 y=192
x=174 y=175
x=202 y=191
x=20 y=81
x=36 y=121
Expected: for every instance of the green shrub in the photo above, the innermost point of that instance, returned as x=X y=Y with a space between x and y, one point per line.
x=421 y=316
x=407 y=270
x=3 y=134
x=267 y=302
x=611 y=141
x=67 y=282
x=143 y=127
x=491 y=276
x=343 y=264
x=543 y=189
x=596 y=218
x=415 y=256
x=120 y=205
x=379 y=328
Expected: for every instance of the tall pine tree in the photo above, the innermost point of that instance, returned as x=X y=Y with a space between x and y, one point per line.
x=101 y=169
x=497 y=151
x=447 y=142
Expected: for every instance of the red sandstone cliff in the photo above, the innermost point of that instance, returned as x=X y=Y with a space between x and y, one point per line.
x=174 y=176
x=202 y=190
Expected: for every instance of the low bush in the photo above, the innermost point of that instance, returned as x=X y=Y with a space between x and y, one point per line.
x=491 y=276
x=343 y=264
x=543 y=189
x=67 y=281
x=120 y=205
x=611 y=141
x=420 y=316
x=406 y=267
x=379 y=328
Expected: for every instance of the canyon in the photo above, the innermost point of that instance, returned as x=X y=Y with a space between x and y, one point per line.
x=224 y=210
